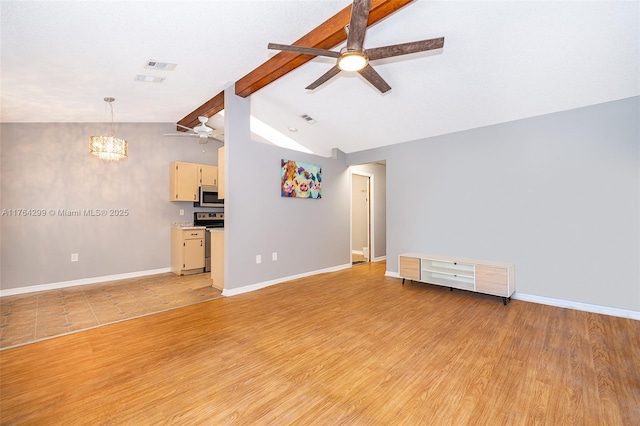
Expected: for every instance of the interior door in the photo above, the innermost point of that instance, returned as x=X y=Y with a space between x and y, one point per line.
x=360 y=218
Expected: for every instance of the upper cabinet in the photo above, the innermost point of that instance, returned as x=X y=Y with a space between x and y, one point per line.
x=185 y=180
x=208 y=175
x=221 y=181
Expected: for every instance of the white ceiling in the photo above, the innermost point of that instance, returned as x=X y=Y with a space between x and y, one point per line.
x=502 y=60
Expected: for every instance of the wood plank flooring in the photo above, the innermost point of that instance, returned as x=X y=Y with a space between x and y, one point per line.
x=349 y=348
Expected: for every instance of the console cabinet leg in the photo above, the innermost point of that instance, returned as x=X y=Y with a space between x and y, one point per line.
x=504 y=301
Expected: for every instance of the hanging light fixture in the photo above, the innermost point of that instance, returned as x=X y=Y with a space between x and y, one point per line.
x=109 y=147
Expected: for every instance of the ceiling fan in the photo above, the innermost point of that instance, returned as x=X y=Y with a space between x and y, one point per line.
x=354 y=57
x=201 y=131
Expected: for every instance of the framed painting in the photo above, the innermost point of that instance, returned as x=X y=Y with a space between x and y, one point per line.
x=300 y=180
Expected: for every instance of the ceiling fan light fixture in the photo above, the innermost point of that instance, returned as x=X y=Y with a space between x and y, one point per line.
x=352 y=61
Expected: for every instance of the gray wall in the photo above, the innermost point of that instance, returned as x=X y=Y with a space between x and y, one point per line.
x=379 y=212
x=48 y=166
x=308 y=234
x=558 y=195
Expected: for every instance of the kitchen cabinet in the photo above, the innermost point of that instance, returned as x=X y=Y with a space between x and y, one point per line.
x=187 y=250
x=221 y=180
x=208 y=175
x=217 y=257
x=183 y=181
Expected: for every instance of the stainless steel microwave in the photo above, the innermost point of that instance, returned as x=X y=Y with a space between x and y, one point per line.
x=209 y=197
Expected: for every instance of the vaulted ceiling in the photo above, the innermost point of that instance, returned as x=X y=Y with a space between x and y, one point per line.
x=501 y=61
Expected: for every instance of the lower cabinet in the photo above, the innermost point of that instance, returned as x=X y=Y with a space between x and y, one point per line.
x=495 y=278
x=217 y=258
x=187 y=251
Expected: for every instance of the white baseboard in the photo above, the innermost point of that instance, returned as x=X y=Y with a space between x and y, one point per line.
x=83 y=281
x=379 y=259
x=360 y=252
x=561 y=303
x=579 y=306
x=258 y=286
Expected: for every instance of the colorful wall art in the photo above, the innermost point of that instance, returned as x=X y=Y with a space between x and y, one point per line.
x=300 y=180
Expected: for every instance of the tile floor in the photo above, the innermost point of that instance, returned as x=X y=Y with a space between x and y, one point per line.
x=27 y=318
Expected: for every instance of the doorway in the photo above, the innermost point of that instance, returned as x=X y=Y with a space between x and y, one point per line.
x=361 y=241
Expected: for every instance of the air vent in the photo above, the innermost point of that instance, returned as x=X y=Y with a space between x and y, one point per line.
x=308 y=119
x=148 y=79
x=163 y=66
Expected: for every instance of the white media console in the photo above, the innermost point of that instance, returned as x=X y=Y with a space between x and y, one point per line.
x=495 y=278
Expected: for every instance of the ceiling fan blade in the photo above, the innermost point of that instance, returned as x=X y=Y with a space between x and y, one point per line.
x=304 y=50
x=184 y=127
x=216 y=134
x=325 y=77
x=374 y=78
x=358 y=24
x=405 y=48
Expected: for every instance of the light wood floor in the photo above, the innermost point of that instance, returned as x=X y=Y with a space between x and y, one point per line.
x=349 y=348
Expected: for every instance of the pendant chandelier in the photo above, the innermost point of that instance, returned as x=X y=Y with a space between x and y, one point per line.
x=108 y=148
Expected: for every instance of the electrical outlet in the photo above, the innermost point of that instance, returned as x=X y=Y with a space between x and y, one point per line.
x=74 y=257
x=258 y=258
x=274 y=256
x=181 y=212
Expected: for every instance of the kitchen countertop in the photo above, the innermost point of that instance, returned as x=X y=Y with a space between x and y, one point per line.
x=187 y=227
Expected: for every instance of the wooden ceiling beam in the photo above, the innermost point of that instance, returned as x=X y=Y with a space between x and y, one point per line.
x=209 y=109
x=325 y=36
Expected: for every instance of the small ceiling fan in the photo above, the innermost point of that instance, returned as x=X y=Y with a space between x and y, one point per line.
x=354 y=57
x=201 y=131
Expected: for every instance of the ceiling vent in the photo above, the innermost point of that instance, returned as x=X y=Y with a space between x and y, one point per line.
x=163 y=66
x=148 y=79
x=308 y=119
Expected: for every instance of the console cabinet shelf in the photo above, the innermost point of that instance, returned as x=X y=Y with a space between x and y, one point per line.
x=495 y=278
